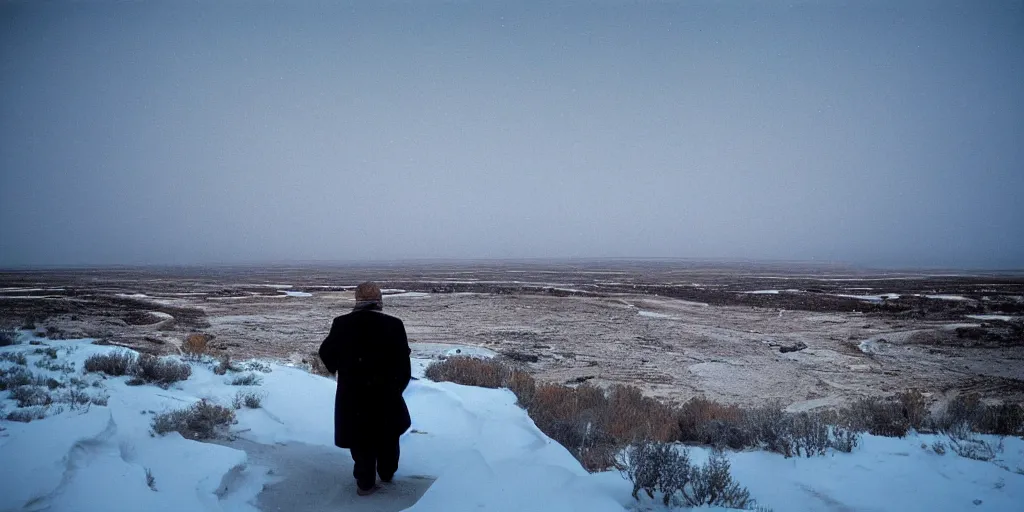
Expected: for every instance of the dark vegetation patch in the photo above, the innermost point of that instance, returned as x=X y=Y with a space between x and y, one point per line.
x=594 y=424
x=201 y=420
x=144 y=369
x=8 y=337
x=15 y=376
x=161 y=371
x=141 y=318
x=666 y=469
x=247 y=399
x=14 y=357
x=247 y=379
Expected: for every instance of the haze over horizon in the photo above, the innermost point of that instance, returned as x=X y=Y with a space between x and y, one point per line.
x=880 y=134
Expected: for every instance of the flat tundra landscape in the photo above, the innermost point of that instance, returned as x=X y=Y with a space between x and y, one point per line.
x=806 y=336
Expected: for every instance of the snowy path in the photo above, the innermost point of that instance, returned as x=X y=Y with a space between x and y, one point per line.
x=311 y=478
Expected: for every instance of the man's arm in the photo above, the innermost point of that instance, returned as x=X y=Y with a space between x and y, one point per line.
x=329 y=349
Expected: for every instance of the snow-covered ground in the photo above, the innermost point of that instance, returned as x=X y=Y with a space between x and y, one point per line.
x=479 y=450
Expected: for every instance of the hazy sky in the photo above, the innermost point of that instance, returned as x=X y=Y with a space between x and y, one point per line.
x=876 y=133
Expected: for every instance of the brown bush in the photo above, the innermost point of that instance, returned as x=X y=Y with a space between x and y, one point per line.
x=196 y=345
x=1004 y=420
x=576 y=418
x=485 y=373
x=316 y=365
x=914 y=408
x=967 y=413
x=117 y=363
x=631 y=416
x=703 y=421
x=878 y=417
x=469 y=371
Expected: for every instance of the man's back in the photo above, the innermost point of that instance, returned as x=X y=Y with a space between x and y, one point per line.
x=370 y=352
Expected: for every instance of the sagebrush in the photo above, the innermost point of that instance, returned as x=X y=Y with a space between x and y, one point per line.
x=14 y=357
x=666 y=469
x=144 y=368
x=247 y=379
x=247 y=399
x=201 y=420
x=8 y=337
x=116 y=363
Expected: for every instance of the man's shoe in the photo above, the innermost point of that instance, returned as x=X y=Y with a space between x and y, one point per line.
x=387 y=479
x=366 y=492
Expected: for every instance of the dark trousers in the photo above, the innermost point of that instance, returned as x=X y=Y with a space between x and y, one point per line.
x=375 y=457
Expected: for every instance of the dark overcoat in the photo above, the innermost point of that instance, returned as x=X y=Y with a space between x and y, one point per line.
x=369 y=351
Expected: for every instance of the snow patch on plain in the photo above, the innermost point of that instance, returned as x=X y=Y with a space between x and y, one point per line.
x=871 y=298
x=410 y=295
x=1003 y=318
x=652 y=314
x=947 y=297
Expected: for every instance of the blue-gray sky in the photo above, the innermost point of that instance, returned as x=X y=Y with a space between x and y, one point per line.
x=875 y=133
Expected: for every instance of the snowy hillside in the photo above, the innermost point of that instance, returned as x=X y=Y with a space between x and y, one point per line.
x=469 y=449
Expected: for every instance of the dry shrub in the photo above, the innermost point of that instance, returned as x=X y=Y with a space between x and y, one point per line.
x=485 y=373
x=19 y=376
x=316 y=365
x=655 y=467
x=117 y=363
x=706 y=422
x=664 y=468
x=469 y=371
x=14 y=357
x=631 y=416
x=196 y=345
x=223 y=365
x=201 y=420
x=576 y=418
x=523 y=386
x=27 y=414
x=8 y=337
x=162 y=371
x=247 y=379
x=914 y=408
x=248 y=399
x=967 y=413
x=879 y=417
x=713 y=485
x=1004 y=420
x=31 y=396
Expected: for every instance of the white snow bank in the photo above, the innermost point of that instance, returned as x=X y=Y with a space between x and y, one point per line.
x=96 y=459
x=885 y=474
x=411 y=295
x=292 y=293
x=652 y=314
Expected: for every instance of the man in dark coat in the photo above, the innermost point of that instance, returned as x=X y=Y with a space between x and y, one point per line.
x=370 y=353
